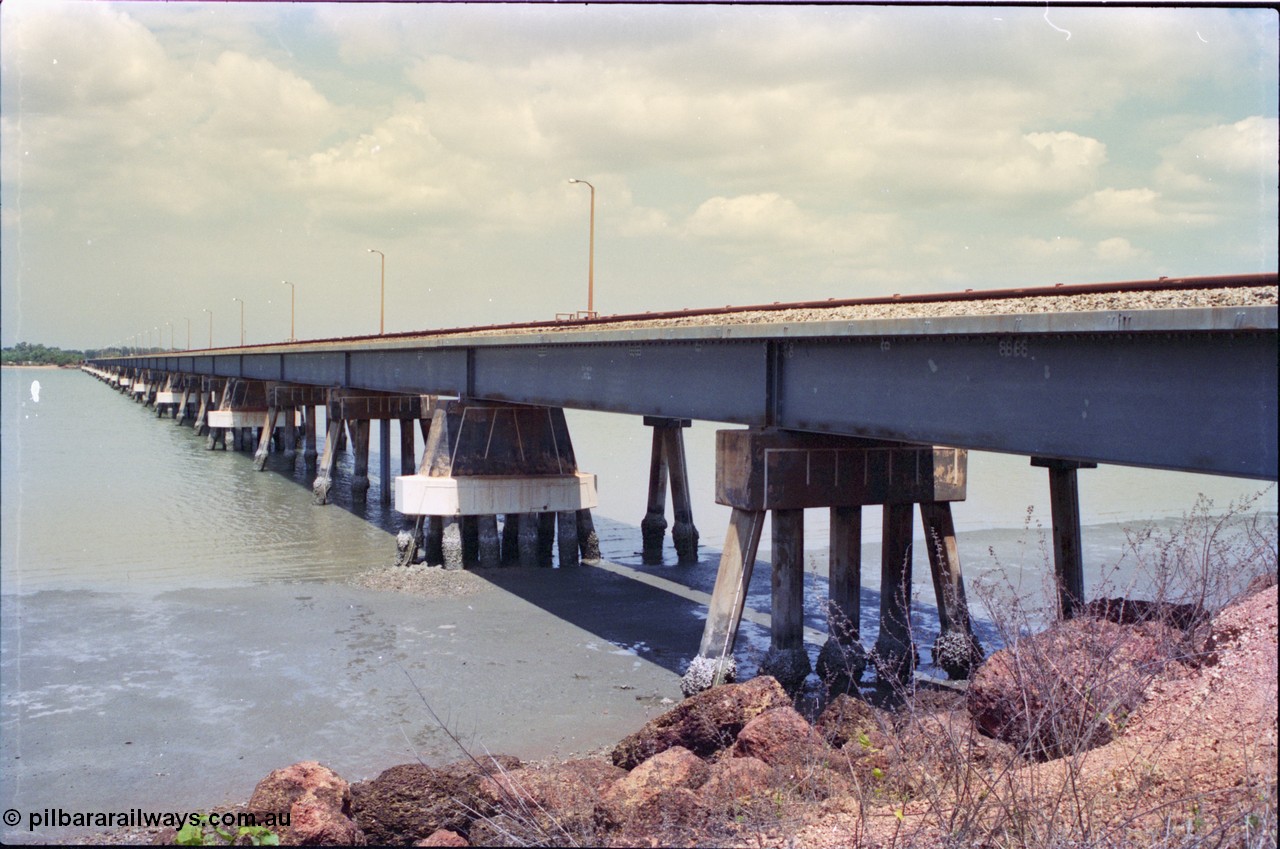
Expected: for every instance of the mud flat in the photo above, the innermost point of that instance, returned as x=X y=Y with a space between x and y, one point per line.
x=181 y=700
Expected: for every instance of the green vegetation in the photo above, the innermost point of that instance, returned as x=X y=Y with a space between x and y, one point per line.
x=24 y=353
x=203 y=832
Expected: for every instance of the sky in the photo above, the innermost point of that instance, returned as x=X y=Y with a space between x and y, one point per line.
x=158 y=160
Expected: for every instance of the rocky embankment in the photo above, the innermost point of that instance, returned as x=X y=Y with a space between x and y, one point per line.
x=1134 y=726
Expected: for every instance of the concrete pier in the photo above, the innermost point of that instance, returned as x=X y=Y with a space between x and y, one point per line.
x=1064 y=501
x=486 y=460
x=758 y=471
x=352 y=412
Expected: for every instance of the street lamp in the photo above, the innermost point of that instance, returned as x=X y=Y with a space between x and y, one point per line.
x=241 y=321
x=293 y=299
x=188 y=334
x=591 y=255
x=382 y=315
x=210 y=312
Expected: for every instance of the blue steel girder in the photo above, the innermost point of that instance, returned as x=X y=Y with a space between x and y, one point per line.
x=1178 y=401
x=1198 y=395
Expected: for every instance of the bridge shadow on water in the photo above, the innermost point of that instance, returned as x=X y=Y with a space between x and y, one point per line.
x=655 y=611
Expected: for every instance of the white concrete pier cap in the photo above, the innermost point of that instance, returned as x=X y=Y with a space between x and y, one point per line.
x=242 y=418
x=419 y=495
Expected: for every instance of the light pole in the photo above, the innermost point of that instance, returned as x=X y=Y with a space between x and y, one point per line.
x=293 y=300
x=168 y=324
x=382 y=313
x=591 y=251
x=241 y=321
x=210 y=312
x=188 y=334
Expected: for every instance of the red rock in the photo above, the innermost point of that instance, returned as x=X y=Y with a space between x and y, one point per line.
x=443 y=837
x=542 y=804
x=780 y=737
x=848 y=720
x=318 y=801
x=704 y=723
x=1070 y=687
x=671 y=817
x=315 y=823
x=675 y=767
x=409 y=802
x=282 y=787
x=739 y=784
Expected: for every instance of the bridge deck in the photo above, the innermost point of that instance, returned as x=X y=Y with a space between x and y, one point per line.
x=1190 y=388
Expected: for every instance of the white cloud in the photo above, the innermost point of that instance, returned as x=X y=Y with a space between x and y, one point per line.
x=1118 y=249
x=1058 y=248
x=1241 y=152
x=767 y=233
x=252 y=102
x=1140 y=208
x=59 y=57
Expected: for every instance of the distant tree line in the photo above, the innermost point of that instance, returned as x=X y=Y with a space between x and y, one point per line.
x=24 y=353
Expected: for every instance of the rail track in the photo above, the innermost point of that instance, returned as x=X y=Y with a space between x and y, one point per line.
x=1231 y=290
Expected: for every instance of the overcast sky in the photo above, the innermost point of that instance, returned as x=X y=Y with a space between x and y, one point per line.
x=160 y=159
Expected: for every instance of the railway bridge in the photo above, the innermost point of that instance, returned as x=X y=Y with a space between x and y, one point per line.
x=846 y=403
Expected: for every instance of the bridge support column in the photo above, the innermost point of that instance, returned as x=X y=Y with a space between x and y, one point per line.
x=528 y=544
x=384 y=461
x=451 y=542
x=200 y=425
x=408 y=464
x=667 y=464
x=510 y=539
x=309 y=431
x=264 y=440
x=588 y=540
x=290 y=432
x=482 y=460
x=895 y=656
x=714 y=663
x=842 y=658
x=1068 y=561
x=488 y=547
x=328 y=461
x=768 y=470
x=567 y=537
x=358 y=431
x=787 y=659
x=166 y=398
x=184 y=411
x=844 y=572
x=956 y=649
